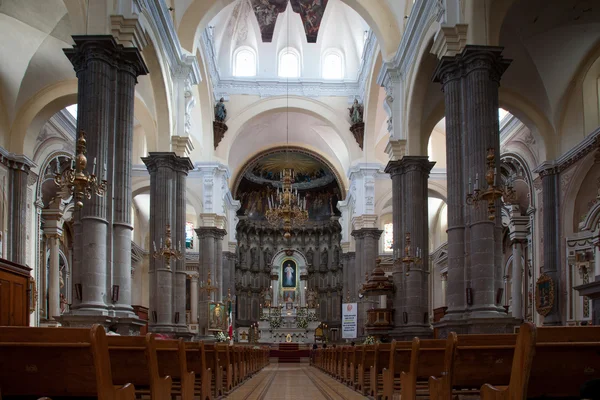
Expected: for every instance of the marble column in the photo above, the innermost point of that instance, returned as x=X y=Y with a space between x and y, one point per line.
x=194 y=299
x=367 y=251
x=516 y=288
x=550 y=217
x=470 y=83
x=167 y=198
x=17 y=244
x=106 y=74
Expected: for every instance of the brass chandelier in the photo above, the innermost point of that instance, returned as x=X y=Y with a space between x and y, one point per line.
x=76 y=181
x=287 y=209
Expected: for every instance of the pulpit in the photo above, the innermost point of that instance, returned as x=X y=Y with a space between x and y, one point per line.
x=15 y=292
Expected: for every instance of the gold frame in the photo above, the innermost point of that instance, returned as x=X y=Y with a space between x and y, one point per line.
x=32 y=295
x=545 y=309
x=223 y=328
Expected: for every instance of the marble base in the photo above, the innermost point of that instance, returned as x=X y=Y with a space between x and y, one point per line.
x=476 y=325
x=125 y=326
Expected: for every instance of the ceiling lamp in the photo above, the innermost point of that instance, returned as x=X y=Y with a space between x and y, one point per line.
x=287 y=209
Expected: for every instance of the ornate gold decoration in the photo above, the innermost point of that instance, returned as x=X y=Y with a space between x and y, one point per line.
x=378 y=284
x=544 y=295
x=209 y=288
x=287 y=209
x=33 y=294
x=76 y=180
x=409 y=259
x=494 y=190
x=167 y=252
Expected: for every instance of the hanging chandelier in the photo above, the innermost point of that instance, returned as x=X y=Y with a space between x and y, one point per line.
x=287 y=209
x=76 y=181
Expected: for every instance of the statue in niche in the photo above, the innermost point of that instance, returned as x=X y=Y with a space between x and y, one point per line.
x=254 y=257
x=310 y=255
x=268 y=253
x=242 y=255
x=324 y=257
x=311 y=299
x=356 y=112
x=336 y=256
x=220 y=111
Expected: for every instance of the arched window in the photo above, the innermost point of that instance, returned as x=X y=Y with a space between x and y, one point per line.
x=289 y=63
x=388 y=237
x=244 y=62
x=333 y=65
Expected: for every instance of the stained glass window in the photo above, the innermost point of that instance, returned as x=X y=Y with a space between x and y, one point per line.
x=189 y=235
x=388 y=237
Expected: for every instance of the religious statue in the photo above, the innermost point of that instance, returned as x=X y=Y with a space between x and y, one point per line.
x=311 y=299
x=268 y=253
x=336 y=256
x=310 y=255
x=63 y=303
x=324 y=257
x=216 y=316
x=254 y=257
x=266 y=297
x=221 y=111
x=356 y=112
x=242 y=255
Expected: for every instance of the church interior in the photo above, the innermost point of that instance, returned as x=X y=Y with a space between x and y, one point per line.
x=280 y=199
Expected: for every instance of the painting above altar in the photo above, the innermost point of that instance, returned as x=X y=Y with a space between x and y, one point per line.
x=289 y=274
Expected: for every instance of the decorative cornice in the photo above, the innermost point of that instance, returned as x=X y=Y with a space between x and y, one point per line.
x=583 y=148
x=161 y=21
x=16 y=161
x=275 y=87
x=137 y=253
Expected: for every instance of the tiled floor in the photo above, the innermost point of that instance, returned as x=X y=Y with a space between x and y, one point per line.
x=293 y=381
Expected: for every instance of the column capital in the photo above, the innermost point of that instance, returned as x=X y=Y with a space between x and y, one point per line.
x=362 y=233
x=158 y=160
x=472 y=58
x=547 y=168
x=16 y=162
x=210 y=231
x=410 y=164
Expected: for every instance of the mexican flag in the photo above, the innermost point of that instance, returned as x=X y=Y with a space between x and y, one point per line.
x=230 y=316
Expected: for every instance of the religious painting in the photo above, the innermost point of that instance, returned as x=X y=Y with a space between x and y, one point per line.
x=289 y=296
x=544 y=295
x=217 y=318
x=314 y=181
x=289 y=274
x=266 y=12
x=311 y=12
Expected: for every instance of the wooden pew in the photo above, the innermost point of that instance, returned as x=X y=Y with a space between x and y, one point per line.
x=364 y=368
x=172 y=361
x=383 y=352
x=134 y=360
x=350 y=354
x=358 y=355
x=440 y=386
x=565 y=358
x=40 y=361
x=225 y=365
x=212 y=361
x=399 y=361
x=196 y=361
x=236 y=352
x=339 y=361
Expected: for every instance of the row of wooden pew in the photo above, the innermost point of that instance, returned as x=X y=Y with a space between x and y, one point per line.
x=549 y=362
x=85 y=363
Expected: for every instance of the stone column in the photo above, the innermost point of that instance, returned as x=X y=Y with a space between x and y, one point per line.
x=597 y=259
x=129 y=67
x=470 y=83
x=194 y=299
x=54 y=281
x=444 y=280
x=228 y=273
x=106 y=74
x=516 y=288
x=551 y=215
x=367 y=250
x=17 y=243
x=167 y=197
x=275 y=288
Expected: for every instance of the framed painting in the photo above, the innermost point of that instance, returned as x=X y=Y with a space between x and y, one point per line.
x=217 y=318
x=544 y=295
x=289 y=270
x=289 y=296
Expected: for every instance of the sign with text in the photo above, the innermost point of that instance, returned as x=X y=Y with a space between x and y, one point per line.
x=349 y=320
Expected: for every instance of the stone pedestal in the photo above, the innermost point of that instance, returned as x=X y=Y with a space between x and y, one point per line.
x=411 y=300
x=470 y=83
x=107 y=74
x=168 y=174
x=367 y=250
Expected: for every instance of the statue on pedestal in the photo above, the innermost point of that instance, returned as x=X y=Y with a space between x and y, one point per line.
x=254 y=257
x=336 y=256
x=311 y=299
x=310 y=256
x=268 y=253
x=324 y=257
x=357 y=126
x=219 y=126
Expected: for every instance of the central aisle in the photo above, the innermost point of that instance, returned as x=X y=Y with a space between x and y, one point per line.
x=293 y=381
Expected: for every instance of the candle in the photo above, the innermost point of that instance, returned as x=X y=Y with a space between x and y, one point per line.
x=154 y=244
x=476 y=181
x=94 y=167
x=495 y=177
x=470 y=191
x=161 y=243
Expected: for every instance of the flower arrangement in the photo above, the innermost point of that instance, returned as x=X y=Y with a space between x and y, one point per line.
x=312 y=317
x=302 y=323
x=369 y=340
x=220 y=336
x=264 y=317
x=275 y=322
x=301 y=312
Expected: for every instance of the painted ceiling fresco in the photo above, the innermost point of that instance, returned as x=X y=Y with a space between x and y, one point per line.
x=311 y=12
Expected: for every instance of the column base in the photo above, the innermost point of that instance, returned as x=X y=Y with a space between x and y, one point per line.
x=408 y=332
x=474 y=325
x=128 y=326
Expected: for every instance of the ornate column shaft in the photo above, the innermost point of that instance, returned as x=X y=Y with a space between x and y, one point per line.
x=550 y=217
x=194 y=299
x=516 y=287
x=17 y=244
x=167 y=207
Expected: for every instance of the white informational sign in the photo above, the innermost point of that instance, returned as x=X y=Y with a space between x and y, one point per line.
x=349 y=320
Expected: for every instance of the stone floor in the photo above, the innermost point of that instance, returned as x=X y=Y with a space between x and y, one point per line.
x=293 y=381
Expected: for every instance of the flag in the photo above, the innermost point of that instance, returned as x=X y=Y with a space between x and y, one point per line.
x=229 y=315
